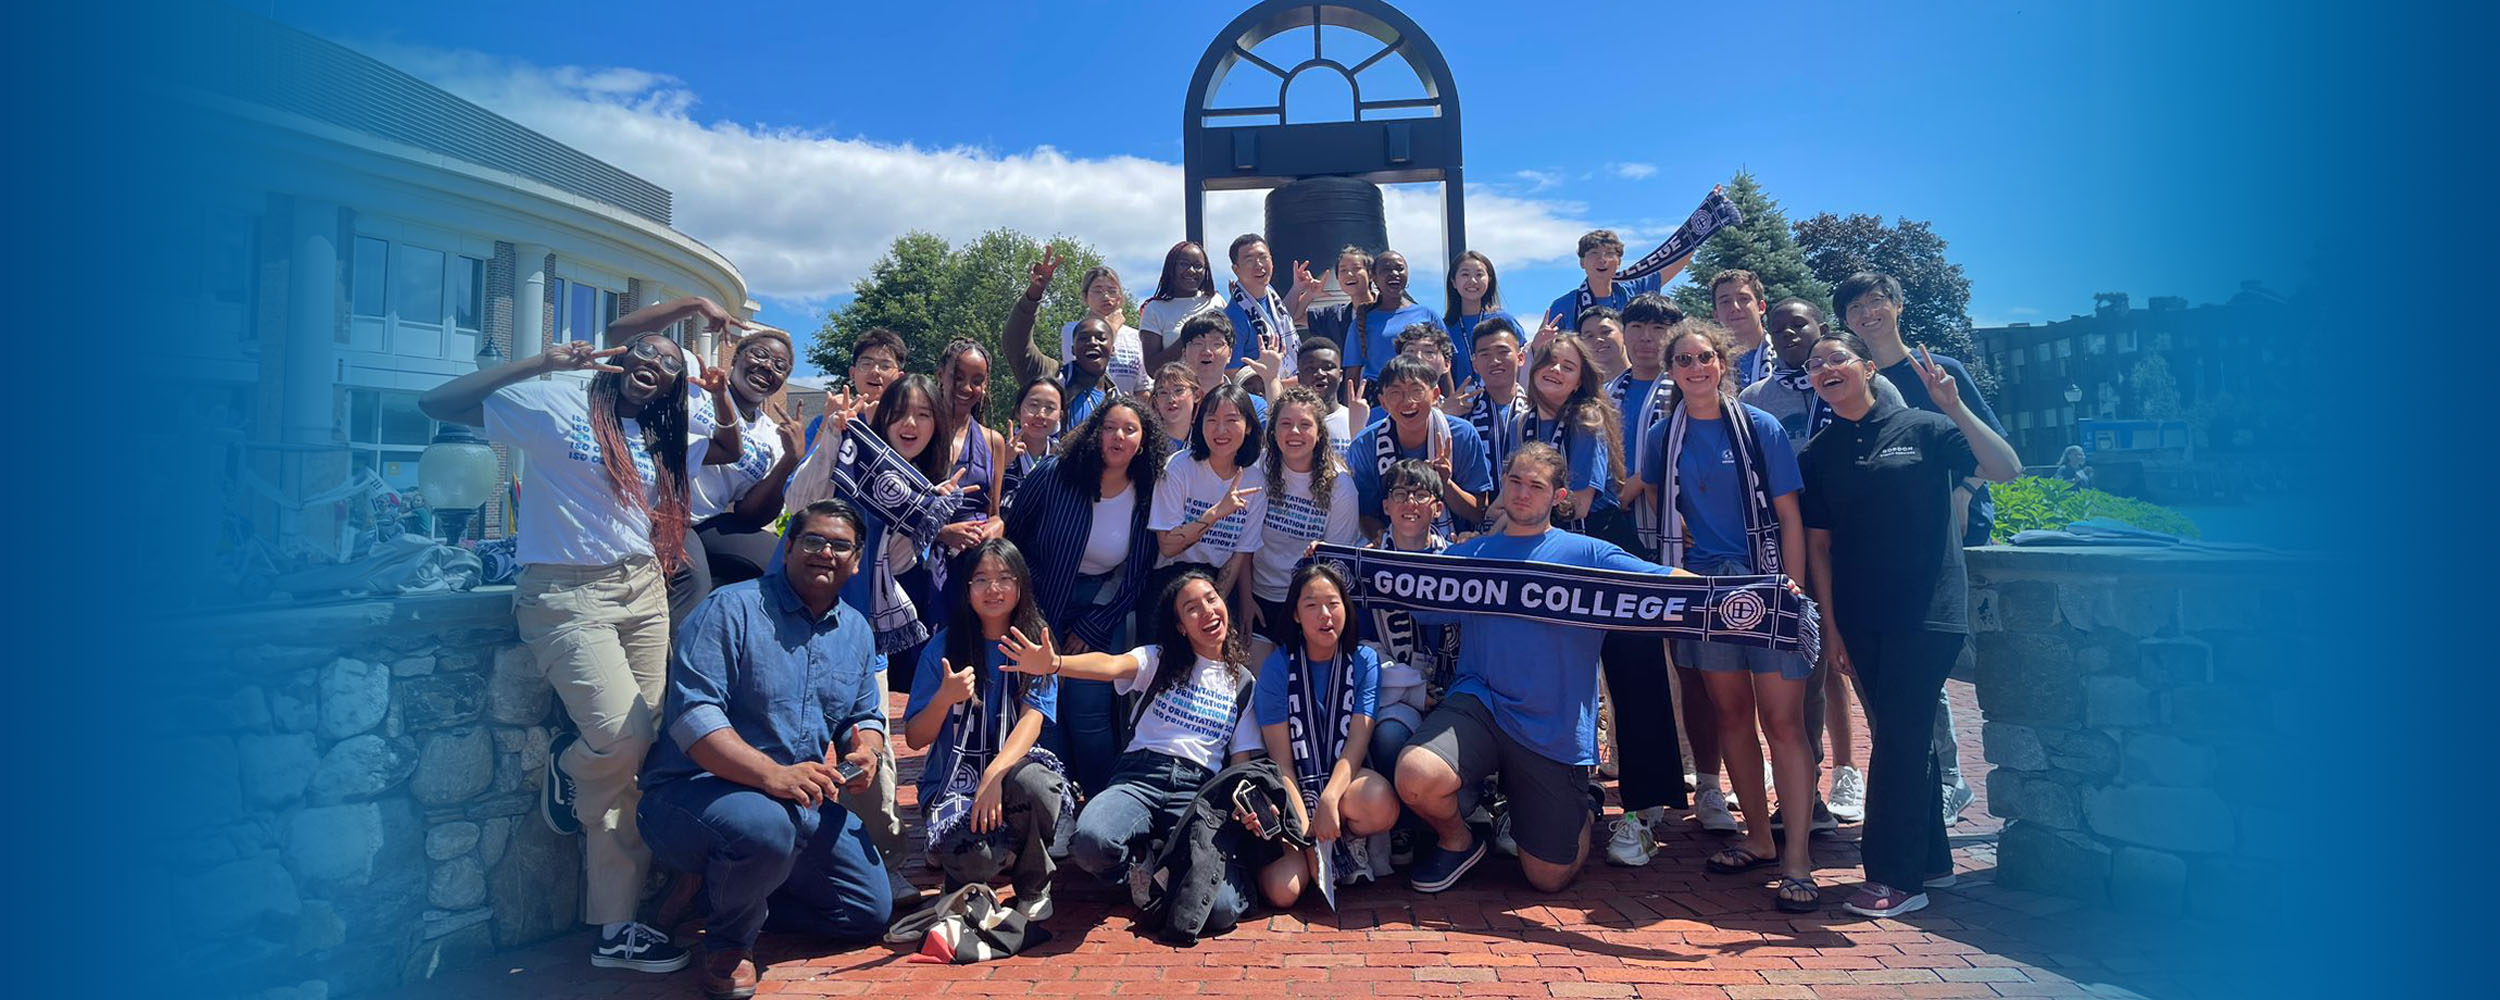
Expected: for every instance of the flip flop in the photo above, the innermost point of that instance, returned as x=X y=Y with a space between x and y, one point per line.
x=1749 y=861
x=1787 y=885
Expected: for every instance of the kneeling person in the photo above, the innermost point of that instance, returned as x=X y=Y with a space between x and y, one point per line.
x=1524 y=703
x=1315 y=699
x=768 y=680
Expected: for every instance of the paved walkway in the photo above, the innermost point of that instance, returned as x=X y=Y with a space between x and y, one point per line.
x=1665 y=931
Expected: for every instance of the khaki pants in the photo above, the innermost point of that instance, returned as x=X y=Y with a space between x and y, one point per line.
x=600 y=635
x=876 y=807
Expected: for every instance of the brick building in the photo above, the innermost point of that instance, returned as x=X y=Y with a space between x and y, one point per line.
x=376 y=236
x=2217 y=355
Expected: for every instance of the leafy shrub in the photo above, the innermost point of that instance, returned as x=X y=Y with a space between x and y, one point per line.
x=2037 y=502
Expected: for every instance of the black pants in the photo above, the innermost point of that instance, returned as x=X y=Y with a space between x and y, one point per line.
x=1900 y=673
x=719 y=552
x=691 y=583
x=1649 y=762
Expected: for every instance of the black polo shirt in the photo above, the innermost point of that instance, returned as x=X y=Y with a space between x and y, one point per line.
x=1883 y=486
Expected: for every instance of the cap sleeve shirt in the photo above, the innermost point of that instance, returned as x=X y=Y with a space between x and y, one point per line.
x=1041 y=694
x=1294 y=521
x=1165 y=316
x=1710 y=490
x=570 y=515
x=1539 y=680
x=1188 y=489
x=1194 y=719
x=715 y=488
x=1883 y=487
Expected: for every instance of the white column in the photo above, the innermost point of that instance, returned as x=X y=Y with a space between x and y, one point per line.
x=307 y=410
x=529 y=300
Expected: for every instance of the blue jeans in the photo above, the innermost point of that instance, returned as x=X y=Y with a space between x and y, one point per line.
x=1388 y=737
x=765 y=861
x=1125 y=824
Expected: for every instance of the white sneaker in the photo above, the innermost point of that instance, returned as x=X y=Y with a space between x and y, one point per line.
x=1848 y=800
x=1768 y=783
x=1957 y=797
x=1503 y=844
x=1034 y=905
x=1710 y=807
x=1632 y=844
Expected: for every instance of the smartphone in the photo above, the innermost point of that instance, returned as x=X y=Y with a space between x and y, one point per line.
x=1256 y=802
x=848 y=770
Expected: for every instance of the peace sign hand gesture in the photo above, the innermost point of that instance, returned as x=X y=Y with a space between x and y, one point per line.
x=714 y=380
x=793 y=431
x=1042 y=272
x=840 y=410
x=1358 y=411
x=1234 y=502
x=1545 y=333
x=577 y=355
x=1941 y=385
x=1463 y=402
x=1303 y=283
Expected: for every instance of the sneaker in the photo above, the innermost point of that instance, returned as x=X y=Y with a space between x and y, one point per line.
x=902 y=889
x=1710 y=807
x=1944 y=880
x=1401 y=847
x=1957 y=797
x=1034 y=904
x=1141 y=887
x=1878 y=900
x=1848 y=801
x=1632 y=843
x=637 y=947
x=1503 y=844
x=1439 y=869
x=555 y=792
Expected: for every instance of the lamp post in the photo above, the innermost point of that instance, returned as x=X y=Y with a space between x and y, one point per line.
x=458 y=471
x=2074 y=398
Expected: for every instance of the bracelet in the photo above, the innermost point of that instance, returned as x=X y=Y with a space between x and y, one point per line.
x=1054 y=664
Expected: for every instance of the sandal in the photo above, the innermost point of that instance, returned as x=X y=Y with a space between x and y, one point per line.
x=1741 y=860
x=1789 y=902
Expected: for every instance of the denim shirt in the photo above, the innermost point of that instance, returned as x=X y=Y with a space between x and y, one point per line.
x=753 y=659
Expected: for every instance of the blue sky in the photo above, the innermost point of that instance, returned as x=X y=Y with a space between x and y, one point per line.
x=2063 y=148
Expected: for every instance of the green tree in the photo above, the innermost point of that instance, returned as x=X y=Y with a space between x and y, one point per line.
x=1938 y=314
x=2156 y=390
x=1761 y=244
x=929 y=293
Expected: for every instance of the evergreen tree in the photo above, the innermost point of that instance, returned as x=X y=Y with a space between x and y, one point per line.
x=1761 y=244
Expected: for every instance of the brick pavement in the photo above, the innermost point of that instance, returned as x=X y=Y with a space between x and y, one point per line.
x=1668 y=930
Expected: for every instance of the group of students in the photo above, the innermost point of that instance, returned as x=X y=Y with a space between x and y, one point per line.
x=1121 y=604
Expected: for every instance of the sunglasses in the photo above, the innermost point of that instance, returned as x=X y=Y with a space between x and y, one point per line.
x=1696 y=360
x=816 y=545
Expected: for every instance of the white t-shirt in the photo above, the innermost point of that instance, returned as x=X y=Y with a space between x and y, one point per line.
x=1189 y=489
x=1194 y=720
x=1165 y=316
x=1294 y=521
x=717 y=487
x=570 y=516
x=1128 y=357
x=1106 y=546
x=1339 y=434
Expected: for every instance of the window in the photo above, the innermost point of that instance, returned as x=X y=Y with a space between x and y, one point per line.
x=2097 y=343
x=2040 y=351
x=387 y=434
x=2015 y=357
x=2022 y=421
x=417 y=285
x=2126 y=341
x=2065 y=347
x=582 y=311
x=468 y=293
x=372 y=258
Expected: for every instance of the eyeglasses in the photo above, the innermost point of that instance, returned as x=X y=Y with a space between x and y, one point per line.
x=1413 y=495
x=991 y=583
x=767 y=360
x=877 y=365
x=816 y=545
x=1696 y=360
x=1818 y=364
x=649 y=350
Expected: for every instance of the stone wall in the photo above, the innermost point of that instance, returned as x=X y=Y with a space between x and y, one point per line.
x=362 y=786
x=2138 y=711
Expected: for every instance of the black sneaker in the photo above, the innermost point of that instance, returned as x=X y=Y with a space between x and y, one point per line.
x=639 y=948
x=555 y=793
x=1438 y=869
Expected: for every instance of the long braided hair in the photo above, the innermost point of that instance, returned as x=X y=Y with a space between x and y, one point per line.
x=663 y=423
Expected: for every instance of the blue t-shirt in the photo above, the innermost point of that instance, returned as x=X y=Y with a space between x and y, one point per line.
x=1592 y=465
x=1272 y=696
x=1710 y=492
x=1635 y=395
x=1380 y=333
x=1040 y=695
x=1467 y=465
x=1568 y=307
x=1539 y=680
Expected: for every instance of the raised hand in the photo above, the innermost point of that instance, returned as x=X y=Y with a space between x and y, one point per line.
x=1358 y=412
x=1940 y=384
x=578 y=355
x=793 y=431
x=842 y=409
x=1303 y=283
x=1271 y=358
x=715 y=318
x=1234 y=502
x=1043 y=269
x=714 y=380
x=954 y=686
x=1545 y=333
x=1463 y=402
x=1029 y=656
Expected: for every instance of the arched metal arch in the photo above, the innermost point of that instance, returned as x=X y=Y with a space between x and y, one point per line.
x=1227 y=157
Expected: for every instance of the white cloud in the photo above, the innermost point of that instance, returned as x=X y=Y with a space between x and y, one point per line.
x=804 y=214
x=1634 y=171
x=1539 y=180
